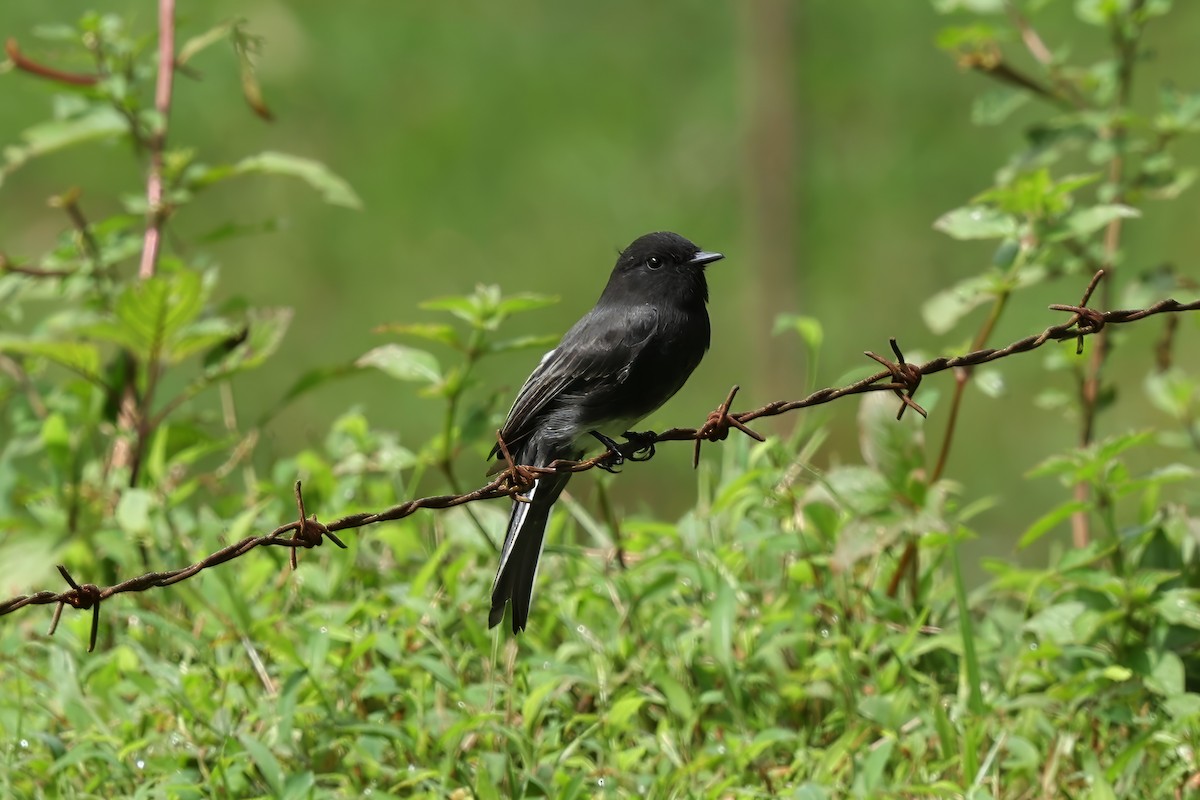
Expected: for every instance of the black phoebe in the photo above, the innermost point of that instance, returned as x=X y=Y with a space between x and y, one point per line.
x=620 y=362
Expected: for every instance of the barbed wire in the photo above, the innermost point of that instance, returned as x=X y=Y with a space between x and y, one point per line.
x=898 y=377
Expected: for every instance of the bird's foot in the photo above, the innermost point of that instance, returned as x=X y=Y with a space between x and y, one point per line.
x=645 y=444
x=614 y=458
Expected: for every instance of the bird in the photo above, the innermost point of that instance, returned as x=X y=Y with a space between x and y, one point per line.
x=622 y=360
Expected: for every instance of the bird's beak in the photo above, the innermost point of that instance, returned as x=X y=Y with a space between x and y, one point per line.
x=703 y=258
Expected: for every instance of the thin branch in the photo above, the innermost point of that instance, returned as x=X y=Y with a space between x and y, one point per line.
x=158 y=141
x=1029 y=36
x=307 y=532
x=68 y=201
x=1041 y=53
x=26 y=64
x=7 y=265
x=992 y=64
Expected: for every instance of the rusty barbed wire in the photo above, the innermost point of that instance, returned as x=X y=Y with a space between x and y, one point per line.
x=898 y=377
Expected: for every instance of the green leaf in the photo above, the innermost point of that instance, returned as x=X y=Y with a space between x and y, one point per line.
x=112 y=332
x=55 y=432
x=525 y=302
x=268 y=766
x=1056 y=623
x=870 y=773
x=977 y=222
x=230 y=230
x=1161 y=177
x=56 y=32
x=624 y=709
x=721 y=613
x=1113 y=446
x=522 y=343
x=810 y=791
x=197 y=44
x=1179 y=111
x=152 y=311
x=989 y=381
x=1180 y=607
x=266 y=328
x=1100 y=12
x=1035 y=193
x=299 y=786
x=894 y=447
x=1083 y=222
x=1166 y=676
x=678 y=698
x=995 y=106
x=95 y=123
x=133 y=511
x=333 y=189
x=536 y=699
x=970 y=38
x=402 y=363
x=943 y=310
x=860 y=489
x=1173 y=392
x=202 y=335
x=807 y=328
x=1048 y=522
x=973 y=6
x=1099 y=787
x=881 y=710
x=465 y=308
x=1183 y=707
x=79 y=357
x=433 y=332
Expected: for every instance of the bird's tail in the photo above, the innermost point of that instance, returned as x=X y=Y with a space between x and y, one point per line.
x=522 y=551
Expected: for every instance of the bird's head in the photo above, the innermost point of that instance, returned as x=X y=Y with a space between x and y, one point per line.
x=661 y=263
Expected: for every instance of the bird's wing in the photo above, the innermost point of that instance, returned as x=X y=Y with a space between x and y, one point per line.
x=600 y=347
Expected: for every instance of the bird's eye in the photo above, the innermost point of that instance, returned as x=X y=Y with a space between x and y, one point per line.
x=653 y=262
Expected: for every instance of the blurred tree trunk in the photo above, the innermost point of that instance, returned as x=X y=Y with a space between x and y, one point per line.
x=770 y=143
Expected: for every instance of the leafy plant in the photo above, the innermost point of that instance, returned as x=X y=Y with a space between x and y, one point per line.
x=116 y=346
x=755 y=646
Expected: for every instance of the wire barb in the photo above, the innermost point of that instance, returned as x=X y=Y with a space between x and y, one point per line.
x=82 y=597
x=518 y=478
x=716 y=427
x=899 y=377
x=1087 y=320
x=905 y=377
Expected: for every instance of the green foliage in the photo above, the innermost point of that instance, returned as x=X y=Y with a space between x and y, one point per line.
x=756 y=646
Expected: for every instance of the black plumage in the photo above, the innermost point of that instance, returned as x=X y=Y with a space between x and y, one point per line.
x=617 y=364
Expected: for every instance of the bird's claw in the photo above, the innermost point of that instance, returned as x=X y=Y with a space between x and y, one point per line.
x=614 y=458
x=645 y=441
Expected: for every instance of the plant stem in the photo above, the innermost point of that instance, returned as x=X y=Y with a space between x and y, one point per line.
x=132 y=417
x=1125 y=35
x=909 y=560
x=447 y=459
x=961 y=378
x=158 y=141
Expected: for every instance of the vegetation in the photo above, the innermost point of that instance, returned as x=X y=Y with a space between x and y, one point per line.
x=798 y=631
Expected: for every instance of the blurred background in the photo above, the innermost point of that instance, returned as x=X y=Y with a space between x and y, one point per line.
x=525 y=143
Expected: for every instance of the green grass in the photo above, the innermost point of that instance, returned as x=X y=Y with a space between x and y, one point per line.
x=737 y=654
